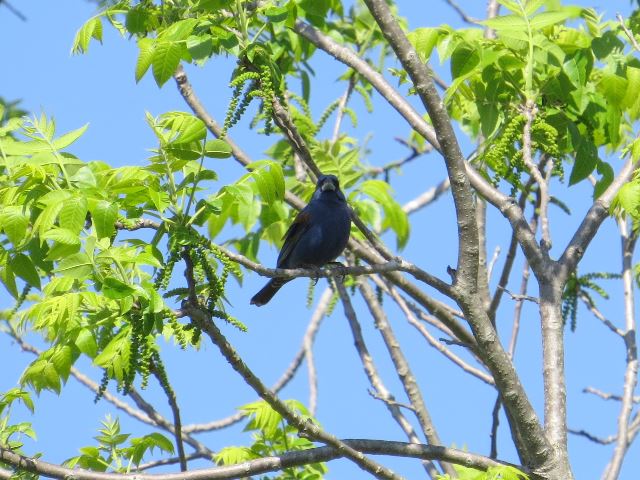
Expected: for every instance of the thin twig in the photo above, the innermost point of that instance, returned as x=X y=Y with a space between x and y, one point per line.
x=427 y=197
x=175 y=410
x=495 y=422
x=492 y=263
x=379 y=388
x=602 y=441
x=631 y=372
x=344 y=99
x=402 y=367
x=463 y=15
x=520 y=297
x=13 y=10
x=169 y=461
x=628 y=32
x=607 y=396
x=413 y=321
x=598 y=314
x=517 y=311
x=307 y=344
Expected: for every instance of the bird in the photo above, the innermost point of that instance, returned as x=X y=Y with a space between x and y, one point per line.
x=316 y=237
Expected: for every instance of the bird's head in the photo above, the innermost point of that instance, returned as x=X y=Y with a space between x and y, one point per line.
x=328 y=183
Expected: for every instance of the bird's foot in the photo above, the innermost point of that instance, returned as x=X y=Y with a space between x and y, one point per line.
x=339 y=267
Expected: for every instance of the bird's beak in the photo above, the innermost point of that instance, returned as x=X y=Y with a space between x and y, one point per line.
x=327 y=185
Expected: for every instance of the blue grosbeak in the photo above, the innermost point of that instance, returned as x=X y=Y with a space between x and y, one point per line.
x=316 y=237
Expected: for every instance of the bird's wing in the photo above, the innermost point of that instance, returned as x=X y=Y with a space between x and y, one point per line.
x=300 y=225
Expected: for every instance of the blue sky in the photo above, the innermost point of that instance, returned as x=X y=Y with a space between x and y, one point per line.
x=99 y=88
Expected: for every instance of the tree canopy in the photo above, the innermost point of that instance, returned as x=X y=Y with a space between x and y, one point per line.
x=519 y=126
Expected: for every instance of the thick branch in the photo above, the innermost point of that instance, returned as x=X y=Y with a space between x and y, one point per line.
x=454 y=160
x=261 y=465
x=504 y=203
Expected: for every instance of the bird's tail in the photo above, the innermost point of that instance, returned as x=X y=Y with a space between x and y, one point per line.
x=268 y=291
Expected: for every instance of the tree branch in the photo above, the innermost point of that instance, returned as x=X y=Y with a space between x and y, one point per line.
x=463 y=15
x=631 y=372
x=307 y=339
x=504 y=203
x=262 y=465
x=405 y=375
x=381 y=391
x=591 y=223
x=160 y=375
x=427 y=197
x=413 y=321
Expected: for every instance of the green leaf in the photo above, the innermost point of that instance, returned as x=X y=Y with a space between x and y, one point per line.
x=86 y=343
x=62 y=235
x=104 y=216
x=506 y=23
x=217 y=149
x=200 y=47
x=116 y=289
x=184 y=127
x=14 y=223
x=533 y=5
x=424 y=40
x=464 y=60
x=165 y=60
x=546 y=19
x=77 y=266
x=578 y=67
x=48 y=216
x=395 y=217
x=276 y=14
x=137 y=20
x=629 y=197
x=7 y=277
x=63 y=358
x=115 y=356
x=179 y=30
x=91 y=29
x=613 y=87
x=147 y=48
x=585 y=163
x=68 y=138
x=160 y=441
x=73 y=214
x=24 y=268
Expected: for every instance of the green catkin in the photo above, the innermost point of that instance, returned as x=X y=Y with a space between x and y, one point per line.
x=177 y=327
x=310 y=292
x=104 y=382
x=164 y=274
x=20 y=301
x=502 y=149
x=303 y=104
x=327 y=113
x=161 y=373
x=135 y=340
x=332 y=303
x=268 y=95
x=146 y=357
